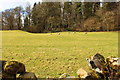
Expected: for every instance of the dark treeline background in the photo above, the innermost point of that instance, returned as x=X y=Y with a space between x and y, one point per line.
x=58 y=16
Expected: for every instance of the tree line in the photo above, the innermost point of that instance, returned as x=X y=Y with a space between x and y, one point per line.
x=63 y=16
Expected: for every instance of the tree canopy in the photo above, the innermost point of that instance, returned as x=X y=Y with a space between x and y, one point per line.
x=67 y=16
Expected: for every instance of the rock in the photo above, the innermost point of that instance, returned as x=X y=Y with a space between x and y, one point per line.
x=99 y=56
x=91 y=63
x=112 y=60
x=95 y=75
x=14 y=67
x=104 y=68
x=27 y=76
x=6 y=76
x=97 y=63
x=21 y=69
x=113 y=66
x=2 y=64
x=113 y=63
x=82 y=73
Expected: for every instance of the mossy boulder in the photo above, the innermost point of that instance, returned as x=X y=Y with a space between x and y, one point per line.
x=14 y=67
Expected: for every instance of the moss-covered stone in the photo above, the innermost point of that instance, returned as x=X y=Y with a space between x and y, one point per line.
x=14 y=67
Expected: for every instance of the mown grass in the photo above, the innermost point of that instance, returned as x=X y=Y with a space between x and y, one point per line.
x=52 y=55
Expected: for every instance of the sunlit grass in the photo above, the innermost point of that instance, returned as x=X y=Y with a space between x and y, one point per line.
x=49 y=54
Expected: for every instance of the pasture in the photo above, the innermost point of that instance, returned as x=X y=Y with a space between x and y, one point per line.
x=48 y=54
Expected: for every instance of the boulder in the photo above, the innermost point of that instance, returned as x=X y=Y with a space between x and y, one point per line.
x=14 y=67
x=27 y=76
x=113 y=66
x=21 y=69
x=89 y=75
x=104 y=68
x=2 y=64
x=100 y=57
x=82 y=73
x=97 y=63
x=6 y=76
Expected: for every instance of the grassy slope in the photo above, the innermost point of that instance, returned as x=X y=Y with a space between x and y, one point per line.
x=52 y=55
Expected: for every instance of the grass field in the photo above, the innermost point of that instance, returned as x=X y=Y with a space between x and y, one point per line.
x=52 y=55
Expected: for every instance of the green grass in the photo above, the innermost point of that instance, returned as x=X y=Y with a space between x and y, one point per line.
x=52 y=55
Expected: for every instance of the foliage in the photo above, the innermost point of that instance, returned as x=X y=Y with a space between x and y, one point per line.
x=58 y=16
x=11 y=19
